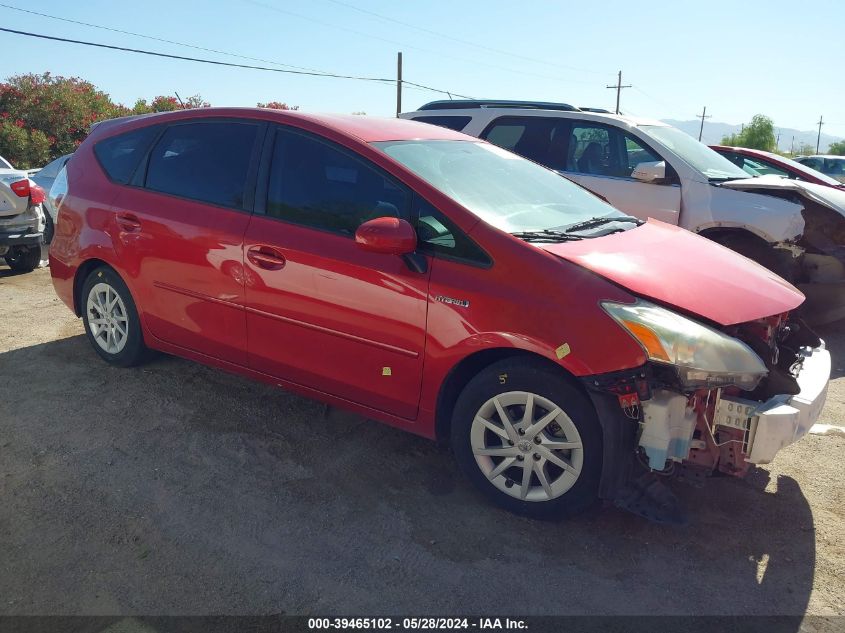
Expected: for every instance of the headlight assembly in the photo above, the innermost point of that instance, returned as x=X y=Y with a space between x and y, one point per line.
x=704 y=357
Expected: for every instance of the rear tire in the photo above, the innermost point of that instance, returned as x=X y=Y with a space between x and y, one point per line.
x=111 y=319
x=545 y=461
x=24 y=259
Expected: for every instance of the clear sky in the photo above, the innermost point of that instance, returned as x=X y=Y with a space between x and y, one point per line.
x=782 y=58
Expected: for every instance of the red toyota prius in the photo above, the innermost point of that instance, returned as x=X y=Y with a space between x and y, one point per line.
x=443 y=285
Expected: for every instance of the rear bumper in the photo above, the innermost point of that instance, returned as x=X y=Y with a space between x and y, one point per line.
x=782 y=420
x=21 y=239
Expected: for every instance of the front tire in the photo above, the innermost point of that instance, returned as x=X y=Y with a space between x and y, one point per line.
x=529 y=439
x=111 y=319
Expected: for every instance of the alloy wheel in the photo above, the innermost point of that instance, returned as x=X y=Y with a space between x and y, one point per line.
x=107 y=318
x=527 y=446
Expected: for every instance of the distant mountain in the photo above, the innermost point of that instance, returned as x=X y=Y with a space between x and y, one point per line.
x=714 y=131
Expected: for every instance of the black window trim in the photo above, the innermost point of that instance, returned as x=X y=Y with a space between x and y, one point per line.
x=139 y=177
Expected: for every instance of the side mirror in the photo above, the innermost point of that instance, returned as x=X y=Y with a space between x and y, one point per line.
x=651 y=171
x=391 y=236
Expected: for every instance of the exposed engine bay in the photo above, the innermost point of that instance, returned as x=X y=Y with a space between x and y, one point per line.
x=693 y=434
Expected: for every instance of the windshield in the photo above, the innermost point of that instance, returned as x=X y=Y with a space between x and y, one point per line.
x=698 y=155
x=503 y=189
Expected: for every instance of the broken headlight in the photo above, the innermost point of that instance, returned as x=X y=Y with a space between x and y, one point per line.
x=704 y=357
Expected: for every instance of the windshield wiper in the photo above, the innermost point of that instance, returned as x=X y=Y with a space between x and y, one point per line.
x=596 y=222
x=546 y=236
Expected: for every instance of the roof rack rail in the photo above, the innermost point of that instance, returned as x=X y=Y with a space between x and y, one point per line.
x=465 y=104
x=596 y=110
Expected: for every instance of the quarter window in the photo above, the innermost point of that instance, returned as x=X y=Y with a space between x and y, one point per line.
x=438 y=235
x=318 y=185
x=119 y=155
x=207 y=161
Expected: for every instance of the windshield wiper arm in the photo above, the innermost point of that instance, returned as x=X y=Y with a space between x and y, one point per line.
x=546 y=236
x=596 y=222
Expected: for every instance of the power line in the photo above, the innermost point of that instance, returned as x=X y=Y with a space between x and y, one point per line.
x=405 y=45
x=459 y=40
x=222 y=63
x=152 y=37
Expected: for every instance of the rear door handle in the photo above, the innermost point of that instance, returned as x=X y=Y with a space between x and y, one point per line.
x=265 y=257
x=128 y=222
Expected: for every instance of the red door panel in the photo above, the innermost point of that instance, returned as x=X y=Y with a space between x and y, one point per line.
x=322 y=312
x=185 y=260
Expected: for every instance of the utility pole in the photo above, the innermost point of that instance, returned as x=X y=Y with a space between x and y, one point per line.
x=819 y=137
x=777 y=141
x=398 y=83
x=792 y=147
x=618 y=87
x=702 y=116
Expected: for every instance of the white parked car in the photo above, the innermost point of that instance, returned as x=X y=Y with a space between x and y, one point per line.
x=653 y=170
x=23 y=221
x=829 y=165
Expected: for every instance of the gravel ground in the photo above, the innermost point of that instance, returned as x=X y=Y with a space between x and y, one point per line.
x=178 y=489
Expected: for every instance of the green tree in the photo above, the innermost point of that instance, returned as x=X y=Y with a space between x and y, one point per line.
x=837 y=147
x=759 y=134
x=59 y=110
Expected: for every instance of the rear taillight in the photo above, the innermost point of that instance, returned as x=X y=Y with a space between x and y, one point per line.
x=36 y=195
x=21 y=188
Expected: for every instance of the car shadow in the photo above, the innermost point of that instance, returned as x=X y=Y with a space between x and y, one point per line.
x=176 y=488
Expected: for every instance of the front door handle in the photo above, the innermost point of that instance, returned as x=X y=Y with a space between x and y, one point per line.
x=128 y=222
x=265 y=257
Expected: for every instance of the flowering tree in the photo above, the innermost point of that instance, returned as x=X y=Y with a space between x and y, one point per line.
x=168 y=104
x=276 y=105
x=43 y=116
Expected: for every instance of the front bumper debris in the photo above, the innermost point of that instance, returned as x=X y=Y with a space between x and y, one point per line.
x=781 y=420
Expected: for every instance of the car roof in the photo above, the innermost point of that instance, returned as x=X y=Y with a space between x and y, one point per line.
x=747 y=150
x=473 y=107
x=833 y=156
x=363 y=128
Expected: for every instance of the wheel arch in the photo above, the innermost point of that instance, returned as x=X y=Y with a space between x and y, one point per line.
x=721 y=229
x=82 y=272
x=464 y=370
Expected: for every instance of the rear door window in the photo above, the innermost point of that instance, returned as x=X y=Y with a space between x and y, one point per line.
x=119 y=155
x=319 y=185
x=540 y=139
x=208 y=161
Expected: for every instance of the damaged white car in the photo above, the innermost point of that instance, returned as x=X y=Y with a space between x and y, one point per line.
x=652 y=170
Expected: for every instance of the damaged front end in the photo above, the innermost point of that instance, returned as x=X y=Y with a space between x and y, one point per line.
x=680 y=416
x=815 y=260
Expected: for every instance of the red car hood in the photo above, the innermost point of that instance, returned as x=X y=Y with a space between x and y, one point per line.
x=671 y=265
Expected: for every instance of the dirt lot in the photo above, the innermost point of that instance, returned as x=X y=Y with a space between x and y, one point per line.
x=178 y=489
